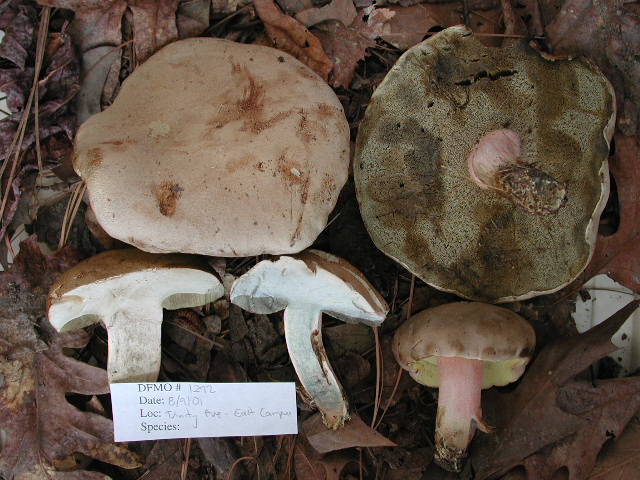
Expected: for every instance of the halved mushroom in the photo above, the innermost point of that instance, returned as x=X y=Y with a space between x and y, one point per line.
x=305 y=286
x=205 y=126
x=127 y=290
x=463 y=348
x=484 y=170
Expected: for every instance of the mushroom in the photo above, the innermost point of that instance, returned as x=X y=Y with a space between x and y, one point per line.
x=484 y=170
x=305 y=286
x=127 y=290
x=216 y=148
x=462 y=348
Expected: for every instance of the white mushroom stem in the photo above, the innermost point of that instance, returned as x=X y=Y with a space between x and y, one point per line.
x=134 y=331
x=459 y=409
x=303 y=333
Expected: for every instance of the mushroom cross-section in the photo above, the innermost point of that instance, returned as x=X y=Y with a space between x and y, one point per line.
x=127 y=290
x=484 y=170
x=216 y=148
x=462 y=348
x=305 y=286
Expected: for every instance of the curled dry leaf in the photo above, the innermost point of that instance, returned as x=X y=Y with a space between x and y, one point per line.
x=411 y=24
x=347 y=45
x=97 y=31
x=355 y=433
x=342 y=11
x=289 y=35
x=313 y=466
x=618 y=255
x=39 y=426
x=609 y=34
x=621 y=459
x=551 y=421
x=57 y=85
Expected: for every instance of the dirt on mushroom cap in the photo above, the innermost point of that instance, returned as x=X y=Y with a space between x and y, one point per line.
x=216 y=148
x=416 y=196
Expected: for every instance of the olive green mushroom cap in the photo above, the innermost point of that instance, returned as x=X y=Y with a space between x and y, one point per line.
x=502 y=339
x=418 y=199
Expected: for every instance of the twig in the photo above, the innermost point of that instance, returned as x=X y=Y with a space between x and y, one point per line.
x=393 y=393
x=185 y=462
x=16 y=144
x=237 y=462
x=411 y=291
x=77 y=192
x=379 y=367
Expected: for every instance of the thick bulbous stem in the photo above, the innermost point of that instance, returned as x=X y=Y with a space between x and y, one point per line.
x=302 y=328
x=459 y=409
x=134 y=332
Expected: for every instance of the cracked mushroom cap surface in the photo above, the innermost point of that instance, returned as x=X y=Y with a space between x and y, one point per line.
x=217 y=148
x=502 y=339
x=417 y=196
x=315 y=278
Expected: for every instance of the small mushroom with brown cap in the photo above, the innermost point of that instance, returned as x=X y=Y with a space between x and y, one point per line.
x=127 y=290
x=463 y=348
x=305 y=286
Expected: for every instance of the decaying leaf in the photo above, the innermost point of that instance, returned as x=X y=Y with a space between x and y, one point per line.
x=97 y=31
x=342 y=11
x=618 y=255
x=310 y=465
x=57 y=85
x=621 y=459
x=411 y=24
x=609 y=34
x=38 y=426
x=551 y=421
x=347 y=45
x=355 y=433
x=289 y=35
x=193 y=17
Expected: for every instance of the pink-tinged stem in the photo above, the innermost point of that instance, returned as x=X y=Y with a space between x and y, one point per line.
x=459 y=409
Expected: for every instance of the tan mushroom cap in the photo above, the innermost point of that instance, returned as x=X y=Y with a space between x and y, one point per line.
x=118 y=263
x=127 y=290
x=416 y=195
x=217 y=148
x=176 y=280
x=501 y=338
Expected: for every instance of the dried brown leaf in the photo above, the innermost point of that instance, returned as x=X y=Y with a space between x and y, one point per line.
x=621 y=459
x=310 y=465
x=347 y=45
x=193 y=17
x=289 y=35
x=39 y=426
x=154 y=25
x=551 y=421
x=342 y=11
x=57 y=86
x=96 y=29
x=410 y=25
x=607 y=32
x=355 y=433
x=618 y=255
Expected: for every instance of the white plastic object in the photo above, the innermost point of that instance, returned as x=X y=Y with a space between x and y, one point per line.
x=608 y=296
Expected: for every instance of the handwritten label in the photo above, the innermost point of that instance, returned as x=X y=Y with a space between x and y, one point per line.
x=161 y=410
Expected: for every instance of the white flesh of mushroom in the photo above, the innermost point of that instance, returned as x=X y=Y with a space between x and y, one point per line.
x=305 y=293
x=130 y=306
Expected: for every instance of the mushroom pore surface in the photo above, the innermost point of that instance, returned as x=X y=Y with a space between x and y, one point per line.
x=415 y=191
x=217 y=148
